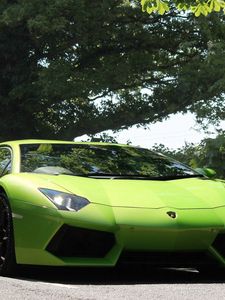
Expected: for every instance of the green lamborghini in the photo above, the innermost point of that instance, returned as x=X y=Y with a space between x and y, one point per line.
x=101 y=204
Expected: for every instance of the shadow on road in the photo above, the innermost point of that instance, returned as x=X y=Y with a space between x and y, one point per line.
x=119 y=275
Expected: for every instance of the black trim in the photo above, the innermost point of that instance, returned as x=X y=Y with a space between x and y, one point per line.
x=168 y=259
x=219 y=244
x=80 y=242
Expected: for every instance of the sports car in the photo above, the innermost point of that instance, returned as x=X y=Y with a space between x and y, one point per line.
x=102 y=204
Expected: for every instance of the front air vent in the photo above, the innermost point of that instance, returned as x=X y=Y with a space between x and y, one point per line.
x=80 y=242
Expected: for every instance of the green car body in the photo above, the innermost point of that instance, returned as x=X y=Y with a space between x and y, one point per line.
x=166 y=222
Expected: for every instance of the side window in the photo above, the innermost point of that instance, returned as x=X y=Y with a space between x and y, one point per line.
x=5 y=161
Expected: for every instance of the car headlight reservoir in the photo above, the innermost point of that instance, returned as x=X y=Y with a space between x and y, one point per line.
x=65 y=201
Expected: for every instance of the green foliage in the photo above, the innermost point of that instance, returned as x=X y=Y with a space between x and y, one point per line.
x=185 y=154
x=103 y=137
x=210 y=153
x=66 y=70
x=198 y=7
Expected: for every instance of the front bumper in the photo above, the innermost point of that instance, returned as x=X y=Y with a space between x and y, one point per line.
x=104 y=236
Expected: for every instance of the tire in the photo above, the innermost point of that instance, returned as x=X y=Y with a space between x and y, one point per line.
x=7 y=248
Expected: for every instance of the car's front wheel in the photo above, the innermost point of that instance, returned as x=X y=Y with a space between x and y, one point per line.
x=7 y=249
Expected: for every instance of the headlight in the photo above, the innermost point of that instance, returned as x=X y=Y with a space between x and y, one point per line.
x=65 y=201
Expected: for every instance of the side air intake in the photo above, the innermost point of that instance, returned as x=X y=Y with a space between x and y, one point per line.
x=79 y=242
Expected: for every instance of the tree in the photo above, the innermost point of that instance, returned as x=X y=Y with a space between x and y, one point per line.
x=73 y=67
x=197 y=7
x=185 y=154
x=209 y=153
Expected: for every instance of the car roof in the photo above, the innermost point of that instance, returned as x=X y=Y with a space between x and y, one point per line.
x=42 y=141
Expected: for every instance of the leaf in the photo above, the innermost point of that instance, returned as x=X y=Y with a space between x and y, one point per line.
x=216 y=6
x=197 y=7
x=198 y=11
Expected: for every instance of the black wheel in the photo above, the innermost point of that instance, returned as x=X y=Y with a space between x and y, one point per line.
x=7 y=250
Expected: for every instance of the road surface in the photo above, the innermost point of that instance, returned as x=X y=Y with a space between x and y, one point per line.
x=131 y=284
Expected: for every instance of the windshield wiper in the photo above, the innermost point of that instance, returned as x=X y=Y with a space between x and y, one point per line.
x=72 y=174
x=131 y=177
x=174 y=177
x=142 y=177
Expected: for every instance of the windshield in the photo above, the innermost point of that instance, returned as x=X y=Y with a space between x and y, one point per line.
x=99 y=160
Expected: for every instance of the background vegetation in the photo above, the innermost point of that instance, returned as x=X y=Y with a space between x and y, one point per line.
x=73 y=67
x=70 y=67
x=209 y=153
x=198 y=7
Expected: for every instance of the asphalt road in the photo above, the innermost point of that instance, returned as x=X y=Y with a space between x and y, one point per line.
x=131 y=284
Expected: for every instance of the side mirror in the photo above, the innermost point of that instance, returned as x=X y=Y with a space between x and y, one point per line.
x=206 y=172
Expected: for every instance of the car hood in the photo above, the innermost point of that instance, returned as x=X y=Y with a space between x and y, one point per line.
x=181 y=193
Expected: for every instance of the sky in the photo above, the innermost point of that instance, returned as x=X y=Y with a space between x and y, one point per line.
x=173 y=133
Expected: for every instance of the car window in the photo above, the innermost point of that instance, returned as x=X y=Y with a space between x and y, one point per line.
x=5 y=161
x=98 y=160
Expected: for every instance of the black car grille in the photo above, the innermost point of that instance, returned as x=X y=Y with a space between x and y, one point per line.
x=168 y=259
x=79 y=242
